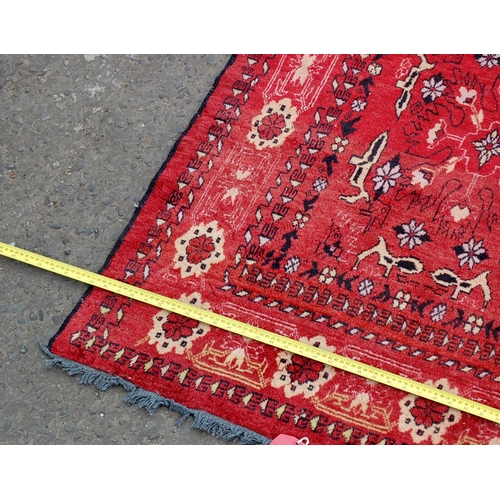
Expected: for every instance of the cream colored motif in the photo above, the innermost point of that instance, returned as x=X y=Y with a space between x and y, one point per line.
x=425 y=419
x=362 y=165
x=173 y=332
x=302 y=73
x=360 y=411
x=273 y=125
x=408 y=84
x=447 y=278
x=300 y=77
x=460 y=213
x=234 y=362
x=408 y=265
x=299 y=375
x=198 y=249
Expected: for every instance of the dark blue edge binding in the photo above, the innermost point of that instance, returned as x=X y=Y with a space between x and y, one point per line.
x=216 y=426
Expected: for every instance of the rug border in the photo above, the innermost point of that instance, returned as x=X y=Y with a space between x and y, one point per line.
x=204 y=421
x=151 y=401
x=144 y=199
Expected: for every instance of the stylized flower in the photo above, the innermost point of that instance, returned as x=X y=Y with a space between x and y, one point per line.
x=473 y=324
x=300 y=220
x=320 y=184
x=298 y=375
x=177 y=326
x=466 y=96
x=272 y=126
x=304 y=370
x=437 y=314
x=292 y=265
x=173 y=332
x=471 y=253
x=427 y=413
x=358 y=105
x=339 y=144
x=374 y=69
x=410 y=234
x=199 y=249
x=365 y=287
x=401 y=300
x=386 y=177
x=327 y=275
x=433 y=88
x=425 y=419
x=488 y=60
x=487 y=147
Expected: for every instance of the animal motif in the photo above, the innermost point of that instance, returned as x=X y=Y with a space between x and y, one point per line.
x=447 y=278
x=407 y=265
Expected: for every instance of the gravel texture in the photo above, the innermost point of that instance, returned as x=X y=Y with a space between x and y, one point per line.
x=81 y=138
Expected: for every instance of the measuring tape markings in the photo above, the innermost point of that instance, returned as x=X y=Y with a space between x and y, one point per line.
x=252 y=332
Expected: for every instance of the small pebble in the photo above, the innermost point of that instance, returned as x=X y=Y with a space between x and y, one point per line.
x=93 y=409
x=57 y=319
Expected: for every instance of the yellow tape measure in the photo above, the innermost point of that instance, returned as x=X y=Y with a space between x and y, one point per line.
x=252 y=332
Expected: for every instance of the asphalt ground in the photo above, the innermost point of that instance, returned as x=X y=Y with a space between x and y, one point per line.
x=81 y=138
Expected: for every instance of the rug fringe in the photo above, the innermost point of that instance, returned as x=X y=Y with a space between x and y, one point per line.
x=150 y=401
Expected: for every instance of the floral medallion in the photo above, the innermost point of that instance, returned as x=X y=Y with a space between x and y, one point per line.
x=298 y=375
x=425 y=419
x=173 y=332
x=198 y=249
x=273 y=125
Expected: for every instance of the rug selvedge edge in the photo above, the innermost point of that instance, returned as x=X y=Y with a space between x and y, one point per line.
x=151 y=401
x=140 y=205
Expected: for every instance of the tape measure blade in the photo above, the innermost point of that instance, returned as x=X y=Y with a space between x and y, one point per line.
x=252 y=332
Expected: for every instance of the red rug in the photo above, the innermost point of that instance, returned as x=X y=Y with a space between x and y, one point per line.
x=346 y=201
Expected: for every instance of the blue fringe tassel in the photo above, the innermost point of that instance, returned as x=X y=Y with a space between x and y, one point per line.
x=150 y=401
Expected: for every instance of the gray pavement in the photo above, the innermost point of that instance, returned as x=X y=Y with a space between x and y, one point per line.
x=81 y=137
